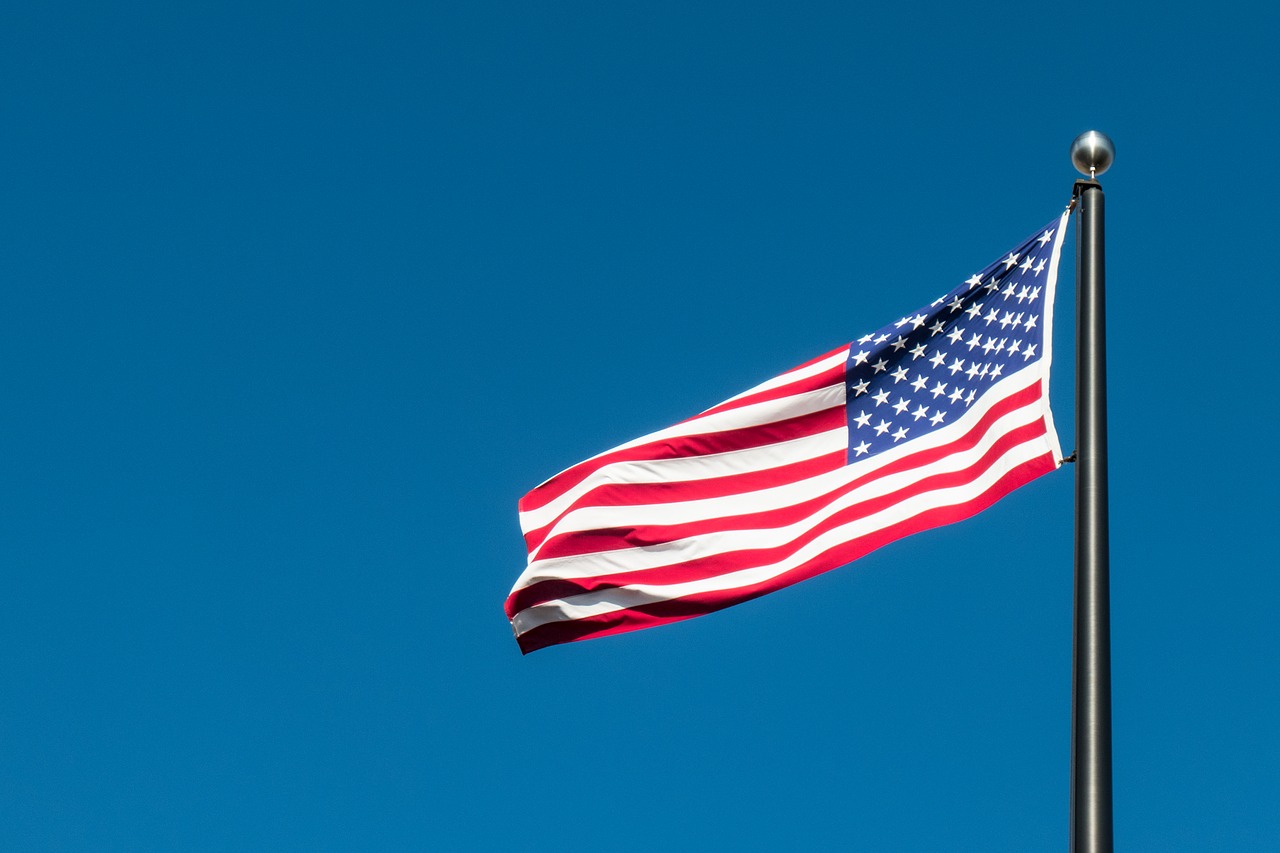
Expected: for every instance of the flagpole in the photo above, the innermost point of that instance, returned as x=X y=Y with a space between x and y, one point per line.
x=1091 y=830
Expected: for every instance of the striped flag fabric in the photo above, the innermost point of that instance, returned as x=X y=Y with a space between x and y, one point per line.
x=924 y=422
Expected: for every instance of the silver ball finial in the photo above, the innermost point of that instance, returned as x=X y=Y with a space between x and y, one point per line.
x=1092 y=153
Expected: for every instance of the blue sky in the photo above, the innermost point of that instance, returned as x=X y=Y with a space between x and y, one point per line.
x=300 y=298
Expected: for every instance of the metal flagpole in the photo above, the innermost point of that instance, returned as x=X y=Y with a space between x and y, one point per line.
x=1092 y=153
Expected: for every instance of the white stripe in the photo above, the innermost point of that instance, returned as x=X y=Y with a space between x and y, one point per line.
x=755 y=414
x=608 y=601
x=796 y=375
x=711 y=543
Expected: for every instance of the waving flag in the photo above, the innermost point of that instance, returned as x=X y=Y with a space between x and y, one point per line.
x=924 y=422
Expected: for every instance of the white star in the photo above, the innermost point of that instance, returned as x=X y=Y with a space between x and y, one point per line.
x=989 y=345
x=880 y=365
x=976 y=340
x=936 y=328
x=955 y=335
x=1011 y=261
x=863 y=419
x=1024 y=293
x=899 y=375
x=865 y=338
x=982 y=374
x=938 y=359
x=881 y=339
x=937 y=417
x=1046 y=237
x=917 y=351
x=1014 y=347
x=899 y=434
x=904 y=321
x=1029 y=352
x=919 y=382
x=1006 y=319
x=939 y=389
x=862 y=448
x=918 y=321
x=992 y=286
x=974 y=310
x=993 y=314
x=1031 y=322
x=882 y=427
x=955 y=304
x=973 y=279
x=972 y=371
x=1040 y=267
x=1026 y=264
x=997 y=370
x=1000 y=346
x=881 y=398
x=1009 y=289
x=920 y=412
x=861 y=357
x=859 y=388
x=902 y=405
x=956 y=365
x=900 y=343
x=1035 y=294
x=956 y=394
x=968 y=401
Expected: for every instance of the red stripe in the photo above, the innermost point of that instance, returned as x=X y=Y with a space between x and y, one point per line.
x=701 y=444
x=718 y=564
x=658 y=613
x=591 y=541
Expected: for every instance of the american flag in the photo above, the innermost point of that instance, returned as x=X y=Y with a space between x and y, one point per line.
x=924 y=422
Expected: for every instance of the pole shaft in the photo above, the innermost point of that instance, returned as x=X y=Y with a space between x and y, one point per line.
x=1091 y=830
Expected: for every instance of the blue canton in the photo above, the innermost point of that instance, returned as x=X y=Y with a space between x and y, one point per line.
x=923 y=372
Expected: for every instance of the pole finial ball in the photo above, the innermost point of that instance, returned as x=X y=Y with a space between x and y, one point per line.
x=1092 y=153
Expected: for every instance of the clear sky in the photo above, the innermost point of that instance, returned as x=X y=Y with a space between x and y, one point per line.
x=298 y=299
